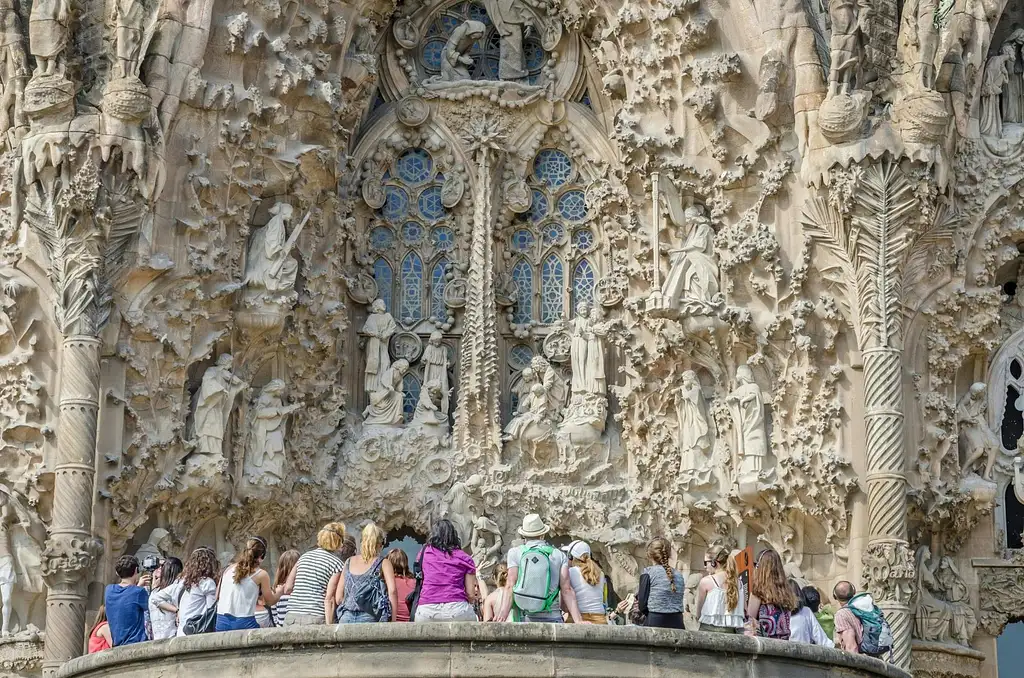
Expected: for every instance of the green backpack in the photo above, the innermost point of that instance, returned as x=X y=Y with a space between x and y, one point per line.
x=532 y=592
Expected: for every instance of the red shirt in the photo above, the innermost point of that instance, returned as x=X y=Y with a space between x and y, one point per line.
x=98 y=643
x=405 y=586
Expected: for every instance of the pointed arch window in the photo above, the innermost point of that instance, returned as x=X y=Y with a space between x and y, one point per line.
x=412 y=289
x=522 y=277
x=552 y=290
x=583 y=282
x=384 y=276
x=410 y=396
x=438 y=279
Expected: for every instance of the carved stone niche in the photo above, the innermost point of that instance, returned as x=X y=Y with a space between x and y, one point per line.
x=939 y=660
x=1000 y=592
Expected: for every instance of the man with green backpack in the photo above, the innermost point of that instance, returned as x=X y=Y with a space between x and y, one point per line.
x=538 y=587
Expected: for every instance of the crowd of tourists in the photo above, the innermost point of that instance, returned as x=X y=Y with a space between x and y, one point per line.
x=340 y=582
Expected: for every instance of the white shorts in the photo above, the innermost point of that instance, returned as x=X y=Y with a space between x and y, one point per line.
x=7 y=575
x=446 y=612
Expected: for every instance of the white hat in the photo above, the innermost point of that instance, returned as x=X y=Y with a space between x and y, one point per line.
x=533 y=526
x=577 y=549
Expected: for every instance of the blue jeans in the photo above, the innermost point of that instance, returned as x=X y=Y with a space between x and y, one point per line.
x=227 y=622
x=350 y=617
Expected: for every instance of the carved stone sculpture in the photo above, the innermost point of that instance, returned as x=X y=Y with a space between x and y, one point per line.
x=378 y=329
x=747 y=406
x=435 y=369
x=511 y=18
x=586 y=352
x=213 y=406
x=270 y=265
x=532 y=423
x=13 y=69
x=977 y=440
x=462 y=505
x=996 y=77
x=265 y=461
x=7 y=575
x=455 y=59
x=693 y=276
x=48 y=35
x=942 y=611
x=429 y=414
x=486 y=543
x=385 y=408
x=694 y=431
x=21 y=541
x=555 y=388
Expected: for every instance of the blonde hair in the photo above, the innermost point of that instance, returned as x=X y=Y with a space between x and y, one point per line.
x=330 y=536
x=770 y=584
x=732 y=580
x=372 y=542
x=658 y=551
x=589 y=569
x=249 y=560
x=500 y=574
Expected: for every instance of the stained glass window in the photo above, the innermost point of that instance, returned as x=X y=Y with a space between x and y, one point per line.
x=382 y=238
x=412 y=288
x=552 y=167
x=522 y=240
x=572 y=206
x=410 y=396
x=586 y=100
x=583 y=281
x=552 y=285
x=519 y=356
x=412 y=232
x=384 y=278
x=396 y=204
x=438 y=311
x=430 y=203
x=553 y=233
x=443 y=239
x=583 y=239
x=414 y=166
x=522 y=277
x=538 y=207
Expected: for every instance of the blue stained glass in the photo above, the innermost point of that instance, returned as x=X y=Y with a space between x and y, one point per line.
x=553 y=233
x=381 y=238
x=384 y=277
x=433 y=51
x=552 y=277
x=412 y=288
x=378 y=101
x=533 y=54
x=583 y=282
x=583 y=239
x=522 y=240
x=519 y=356
x=522 y=277
x=438 y=311
x=430 y=203
x=573 y=206
x=412 y=232
x=414 y=166
x=538 y=206
x=410 y=396
x=449 y=22
x=396 y=204
x=478 y=13
x=443 y=239
x=586 y=100
x=552 y=167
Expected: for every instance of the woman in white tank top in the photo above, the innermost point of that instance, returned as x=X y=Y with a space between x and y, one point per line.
x=241 y=585
x=719 y=597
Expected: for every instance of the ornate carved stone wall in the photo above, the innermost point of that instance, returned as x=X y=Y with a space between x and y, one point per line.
x=740 y=274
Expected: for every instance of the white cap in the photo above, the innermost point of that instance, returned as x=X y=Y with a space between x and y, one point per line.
x=577 y=549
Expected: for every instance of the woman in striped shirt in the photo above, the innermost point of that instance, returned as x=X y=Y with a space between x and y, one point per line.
x=315 y=573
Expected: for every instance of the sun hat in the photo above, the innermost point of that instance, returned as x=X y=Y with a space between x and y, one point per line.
x=533 y=526
x=577 y=549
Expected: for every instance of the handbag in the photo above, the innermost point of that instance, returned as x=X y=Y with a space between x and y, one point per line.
x=202 y=623
x=373 y=598
x=412 y=600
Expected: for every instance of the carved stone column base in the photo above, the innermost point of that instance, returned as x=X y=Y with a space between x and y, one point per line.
x=938 y=660
x=21 y=655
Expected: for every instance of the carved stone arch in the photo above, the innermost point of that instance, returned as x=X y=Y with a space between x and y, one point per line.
x=999 y=376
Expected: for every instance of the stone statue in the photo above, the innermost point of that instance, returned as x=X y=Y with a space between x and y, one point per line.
x=7 y=574
x=266 y=458
x=435 y=368
x=12 y=65
x=533 y=422
x=48 y=35
x=977 y=440
x=554 y=386
x=511 y=18
x=694 y=433
x=269 y=264
x=213 y=405
x=378 y=327
x=385 y=408
x=694 y=274
x=462 y=504
x=429 y=414
x=19 y=560
x=586 y=353
x=942 y=610
x=455 y=59
x=486 y=546
x=128 y=19
x=747 y=405
x=997 y=75
x=845 y=45
x=157 y=544
x=1013 y=97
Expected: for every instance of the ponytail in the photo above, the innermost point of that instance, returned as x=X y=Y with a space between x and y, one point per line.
x=732 y=581
x=249 y=561
x=658 y=551
x=589 y=569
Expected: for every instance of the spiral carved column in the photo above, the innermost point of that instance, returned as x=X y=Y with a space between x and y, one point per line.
x=71 y=550
x=888 y=561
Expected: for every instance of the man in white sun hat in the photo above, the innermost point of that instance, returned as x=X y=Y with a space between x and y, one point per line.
x=538 y=587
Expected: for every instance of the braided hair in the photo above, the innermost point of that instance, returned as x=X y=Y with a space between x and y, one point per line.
x=658 y=551
x=249 y=561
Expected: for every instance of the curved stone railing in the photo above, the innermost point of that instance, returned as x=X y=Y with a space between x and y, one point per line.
x=467 y=649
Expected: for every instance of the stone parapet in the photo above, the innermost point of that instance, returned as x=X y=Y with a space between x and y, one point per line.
x=492 y=650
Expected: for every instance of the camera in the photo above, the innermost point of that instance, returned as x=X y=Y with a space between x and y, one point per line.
x=150 y=563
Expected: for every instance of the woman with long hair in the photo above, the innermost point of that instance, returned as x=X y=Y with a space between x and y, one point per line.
x=367 y=579
x=315 y=575
x=661 y=588
x=405 y=582
x=719 y=599
x=99 y=637
x=285 y=565
x=449 y=578
x=241 y=585
x=771 y=598
x=589 y=583
x=803 y=625
x=198 y=586
x=163 y=601
x=496 y=597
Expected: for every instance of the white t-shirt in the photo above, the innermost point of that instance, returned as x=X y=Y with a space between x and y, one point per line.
x=556 y=561
x=195 y=601
x=589 y=597
x=165 y=624
x=804 y=628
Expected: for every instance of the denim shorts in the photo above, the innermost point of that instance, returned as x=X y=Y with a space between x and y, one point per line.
x=350 y=617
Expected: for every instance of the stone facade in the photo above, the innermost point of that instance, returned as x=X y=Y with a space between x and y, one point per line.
x=731 y=273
